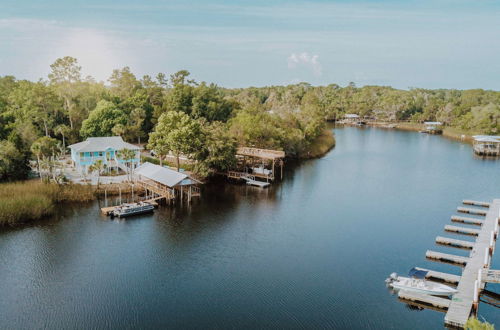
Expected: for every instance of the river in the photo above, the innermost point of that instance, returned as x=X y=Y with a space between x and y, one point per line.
x=310 y=252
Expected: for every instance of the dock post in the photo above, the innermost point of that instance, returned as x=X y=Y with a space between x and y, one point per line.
x=486 y=256
x=492 y=242
x=105 y=197
x=476 y=294
x=120 y=191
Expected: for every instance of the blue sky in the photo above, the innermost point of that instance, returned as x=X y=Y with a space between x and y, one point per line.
x=431 y=44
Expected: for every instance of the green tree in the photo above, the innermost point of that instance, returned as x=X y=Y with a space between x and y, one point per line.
x=64 y=75
x=102 y=119
x=208 y=102
x=218 y=152
x=13 y=163
x=176 y=132
x=123 y=83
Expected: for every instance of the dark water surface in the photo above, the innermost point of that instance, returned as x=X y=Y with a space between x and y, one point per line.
x=310 y=252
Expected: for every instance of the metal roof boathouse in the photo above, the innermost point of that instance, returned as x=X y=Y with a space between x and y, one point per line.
x=486 y=145
x=163 y=182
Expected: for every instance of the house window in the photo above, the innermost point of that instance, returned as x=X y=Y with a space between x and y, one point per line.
x=100 y=153
x=87 y=154
x=81 y=154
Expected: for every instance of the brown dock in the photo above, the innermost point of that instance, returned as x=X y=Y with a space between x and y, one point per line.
x=476 y=268
x=462 y=230
x=471 y=211
x=456 y=243
x=468 y=288
x=467 y=221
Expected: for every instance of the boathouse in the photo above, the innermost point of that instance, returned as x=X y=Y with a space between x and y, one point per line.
x=486 y=145
x=162 y=182
x=84 y=154
x=256 y=163
x=433 y=127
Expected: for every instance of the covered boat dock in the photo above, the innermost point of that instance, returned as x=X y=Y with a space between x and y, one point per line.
x=486 y=145
x=255 y=163
x=162 y=182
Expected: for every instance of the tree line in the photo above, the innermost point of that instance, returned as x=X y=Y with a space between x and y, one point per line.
x=179 y=116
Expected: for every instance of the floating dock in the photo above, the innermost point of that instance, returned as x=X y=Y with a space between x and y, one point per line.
x=476 y=268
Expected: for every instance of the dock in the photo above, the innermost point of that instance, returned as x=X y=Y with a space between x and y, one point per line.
x=462 y=230
x=476 y=272
x=454 y=243
x=471 y=211
x=466 y=220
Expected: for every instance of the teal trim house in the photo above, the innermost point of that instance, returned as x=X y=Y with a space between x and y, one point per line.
x=84 y=154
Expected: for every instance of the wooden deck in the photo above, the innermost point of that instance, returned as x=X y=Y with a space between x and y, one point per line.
x=441 y=303
x=456 y=243
x=445 y=257
x=472 y=211
x=463 y=301
x=462 y=230
x=476 y=268
x=445 y=277
x=466 y=220
x=475 y=203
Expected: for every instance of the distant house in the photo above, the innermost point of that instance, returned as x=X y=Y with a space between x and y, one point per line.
x=351 y=117
x=86 y=153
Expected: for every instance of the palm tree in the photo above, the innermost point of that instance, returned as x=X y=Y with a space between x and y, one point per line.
x=36 y=149
x=62 y=130
x=98 y=167
x=127 y=156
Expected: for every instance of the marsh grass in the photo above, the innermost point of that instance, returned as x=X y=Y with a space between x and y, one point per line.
x=320 y=146
x=32 y=200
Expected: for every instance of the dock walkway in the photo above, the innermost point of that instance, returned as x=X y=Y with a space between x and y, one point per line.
x=462 y=303
x=476 y=267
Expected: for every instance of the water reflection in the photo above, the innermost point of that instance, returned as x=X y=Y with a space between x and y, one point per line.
x=310 y=251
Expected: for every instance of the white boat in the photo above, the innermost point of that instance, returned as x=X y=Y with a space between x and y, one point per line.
x=127 y=210
x=417 y=283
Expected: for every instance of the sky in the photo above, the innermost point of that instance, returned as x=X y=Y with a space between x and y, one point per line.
x=234 y=43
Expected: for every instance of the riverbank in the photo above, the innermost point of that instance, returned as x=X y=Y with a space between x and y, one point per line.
x=320 y=146
x=448 y=132
x=25 y=201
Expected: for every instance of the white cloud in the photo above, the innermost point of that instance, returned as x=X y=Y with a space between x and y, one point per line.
x=307 y=60
x=35 y=44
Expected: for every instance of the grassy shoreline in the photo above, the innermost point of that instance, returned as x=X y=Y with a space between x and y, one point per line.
x=320 y=146
x=25 y=201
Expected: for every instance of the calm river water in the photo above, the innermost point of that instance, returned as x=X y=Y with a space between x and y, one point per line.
x=310 y=252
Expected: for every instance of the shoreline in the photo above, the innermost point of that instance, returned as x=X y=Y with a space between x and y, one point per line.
x=448 y=132
x=320 y=146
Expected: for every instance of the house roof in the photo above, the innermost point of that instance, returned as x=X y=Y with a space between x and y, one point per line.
x=103 y=143
x=351 y=115
x=487 y=138
x=433 y=123
x=160 y=174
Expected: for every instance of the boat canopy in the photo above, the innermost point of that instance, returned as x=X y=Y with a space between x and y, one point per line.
x=420 y=274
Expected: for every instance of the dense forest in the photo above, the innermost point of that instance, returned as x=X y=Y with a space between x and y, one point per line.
x=175 y=114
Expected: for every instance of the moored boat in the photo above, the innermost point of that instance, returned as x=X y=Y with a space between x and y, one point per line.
x=416 y=282
x=127 y=210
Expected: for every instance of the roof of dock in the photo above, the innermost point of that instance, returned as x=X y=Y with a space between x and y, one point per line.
x=161 y=174
x=487 y=138
x=102 y=144
x=260 y=153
